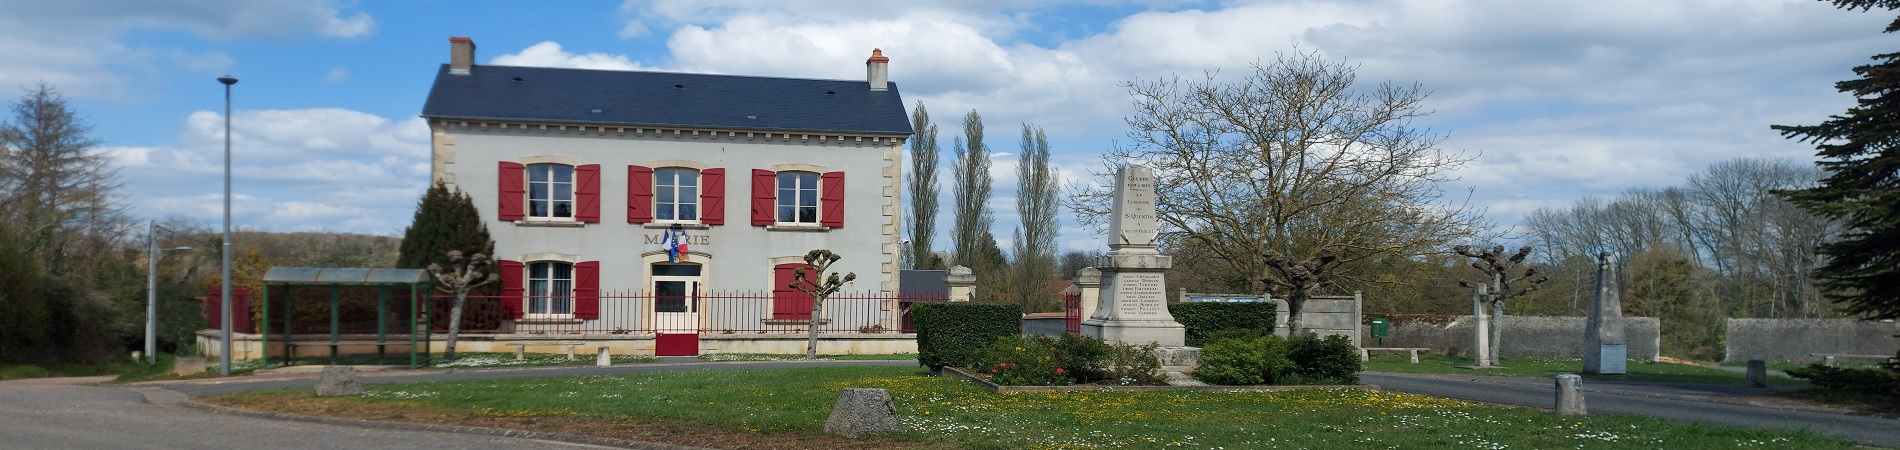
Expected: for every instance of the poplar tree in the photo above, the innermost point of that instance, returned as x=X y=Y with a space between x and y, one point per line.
x=1860 y=151
x=923 y=191
x=973 y=245
x=1035 y=242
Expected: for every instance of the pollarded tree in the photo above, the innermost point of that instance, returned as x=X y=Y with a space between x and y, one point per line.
x=462 y=275
x=808 y=282
x=1860 y=151
x=1504 y=280
x=1291 y=159
x=923 y=189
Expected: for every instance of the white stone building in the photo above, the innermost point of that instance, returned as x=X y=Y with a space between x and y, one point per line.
x=580 y=176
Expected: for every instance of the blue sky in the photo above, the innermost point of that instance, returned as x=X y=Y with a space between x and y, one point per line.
x=1563 y=100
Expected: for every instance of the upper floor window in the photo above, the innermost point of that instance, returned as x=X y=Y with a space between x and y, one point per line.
x=551 y=191
x=676 y=194
x=550 y=288
x=798 y=198
x=548 y=191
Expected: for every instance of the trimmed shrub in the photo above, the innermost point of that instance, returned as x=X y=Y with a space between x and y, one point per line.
x=1204 y=319
x=1083 y=358
x=1882 y=382
x=1234 y=357
x=952 y=333
x=1130 y=364
x=1332 y=360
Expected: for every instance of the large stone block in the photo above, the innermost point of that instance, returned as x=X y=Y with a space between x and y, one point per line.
x=862 y=412
x=338 y=381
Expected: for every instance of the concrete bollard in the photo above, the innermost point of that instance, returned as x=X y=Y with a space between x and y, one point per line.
x=1827 y=360
x=521 y=352
x=1570 y=395
x=1414 y=356
x=863 y=411
x=1757 y=373
x=603 y=359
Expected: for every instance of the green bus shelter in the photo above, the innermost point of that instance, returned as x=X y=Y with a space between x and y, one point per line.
x=411 y=288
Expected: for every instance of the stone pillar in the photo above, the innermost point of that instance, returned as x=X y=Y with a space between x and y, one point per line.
x=962 y=283
x=1482 y=326
x=1757 y=373
x=1089 y=282
x=602 y=358
x=1134 y=303
x=1570 y=395
x=1605 y=350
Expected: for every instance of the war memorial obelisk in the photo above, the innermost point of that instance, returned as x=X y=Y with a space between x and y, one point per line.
x=1134 y=298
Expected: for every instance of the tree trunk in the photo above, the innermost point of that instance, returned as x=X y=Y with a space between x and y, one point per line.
x=1497 y=328
x=455 y=324
x=811 y=339
x=1295 y=304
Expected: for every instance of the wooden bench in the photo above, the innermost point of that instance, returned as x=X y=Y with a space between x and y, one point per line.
x=1827 y=359
x=290 y=357
x=521 y=348
x=1365 y=354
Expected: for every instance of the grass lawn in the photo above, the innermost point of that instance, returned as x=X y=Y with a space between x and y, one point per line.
x=786 y=408
x=21 y=371
x=1546 y=367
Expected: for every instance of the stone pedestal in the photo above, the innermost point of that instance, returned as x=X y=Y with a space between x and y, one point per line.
x=1134 y=302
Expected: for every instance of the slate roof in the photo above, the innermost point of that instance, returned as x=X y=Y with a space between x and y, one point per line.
x=665 y=99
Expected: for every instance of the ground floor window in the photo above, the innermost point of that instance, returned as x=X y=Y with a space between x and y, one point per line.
x=550 y=288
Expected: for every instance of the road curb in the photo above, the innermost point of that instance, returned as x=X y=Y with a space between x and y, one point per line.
x=1728 y=400
x=410 y=426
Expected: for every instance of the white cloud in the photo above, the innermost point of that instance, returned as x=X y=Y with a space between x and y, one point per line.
x=336 y=75
x=81 y=45
x=294 y=170
x=549 y=54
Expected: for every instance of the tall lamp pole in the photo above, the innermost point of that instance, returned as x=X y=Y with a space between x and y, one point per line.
x=224 y=350
x=151 y=289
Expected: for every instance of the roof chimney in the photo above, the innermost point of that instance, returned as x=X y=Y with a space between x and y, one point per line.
x=461 y=55
x=877 y=70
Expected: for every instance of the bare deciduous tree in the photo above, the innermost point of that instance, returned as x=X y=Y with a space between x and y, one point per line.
x=1035 y=242
x=462 y=275
x=1290 y=159
x=820 y=261
x=1296 y=281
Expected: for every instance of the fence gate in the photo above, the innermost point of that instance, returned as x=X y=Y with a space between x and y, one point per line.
x=1072 y=312
x=676 y=305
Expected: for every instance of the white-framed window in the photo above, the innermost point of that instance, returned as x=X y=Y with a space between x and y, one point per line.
x=798 y=198
x=676 y=194
x=550 y=289
x=550 y=191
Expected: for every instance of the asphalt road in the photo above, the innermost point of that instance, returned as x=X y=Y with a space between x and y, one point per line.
x=1719 y=404
x=62 y=414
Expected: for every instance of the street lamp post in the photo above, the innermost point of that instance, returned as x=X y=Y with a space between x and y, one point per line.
x=224 y=353
x=151 y=289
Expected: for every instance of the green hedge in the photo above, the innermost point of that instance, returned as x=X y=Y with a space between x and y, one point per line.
x=1205 y=319
x=952 y=333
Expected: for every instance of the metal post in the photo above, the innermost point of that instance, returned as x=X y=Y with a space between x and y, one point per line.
x=151 y=292
x=224 y=353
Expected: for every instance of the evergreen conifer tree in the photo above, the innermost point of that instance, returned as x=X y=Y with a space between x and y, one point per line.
x=446 y=219
x=1860 y=151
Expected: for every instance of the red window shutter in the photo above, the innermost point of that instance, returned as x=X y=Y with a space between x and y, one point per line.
x=789 y=303
x=764 y=197
x=587 y=193
x=712 y=197
x=831 y=200
x=587 y=290
x=514 y=191
x=639 y=194
x=512 y=294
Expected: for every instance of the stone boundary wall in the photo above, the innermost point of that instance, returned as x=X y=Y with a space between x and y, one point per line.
x=1792 y=340
x=1523 y=335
